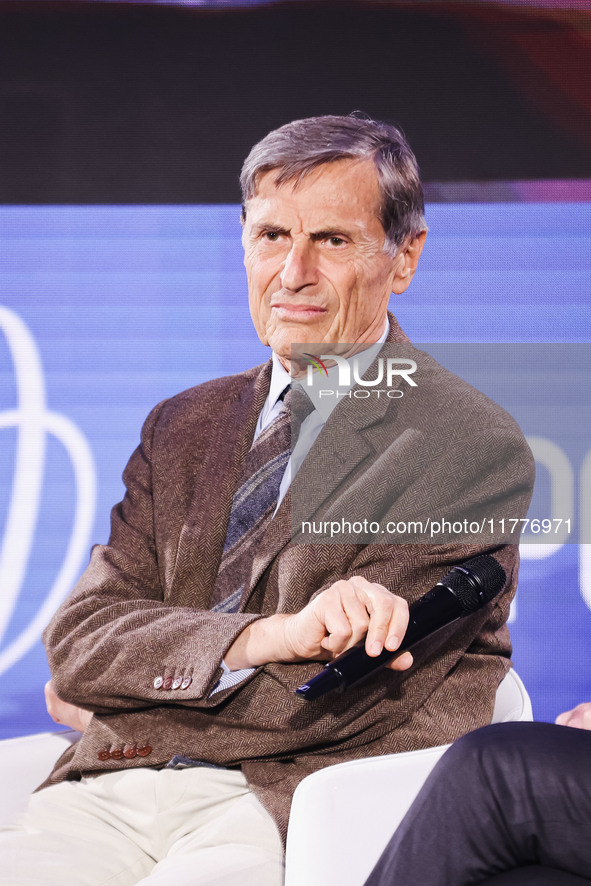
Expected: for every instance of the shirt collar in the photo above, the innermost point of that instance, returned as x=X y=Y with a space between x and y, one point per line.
x=280 y=379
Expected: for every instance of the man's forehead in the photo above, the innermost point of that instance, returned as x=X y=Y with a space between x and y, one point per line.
x=344 y=188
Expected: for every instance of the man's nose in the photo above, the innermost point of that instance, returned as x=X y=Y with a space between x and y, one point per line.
x=300 y=267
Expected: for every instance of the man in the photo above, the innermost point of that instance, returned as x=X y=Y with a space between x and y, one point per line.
x=507 y=805
x=183 y=642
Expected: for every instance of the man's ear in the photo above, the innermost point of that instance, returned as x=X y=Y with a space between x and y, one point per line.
x=407 y=261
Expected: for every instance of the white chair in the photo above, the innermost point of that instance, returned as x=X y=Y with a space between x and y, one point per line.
x=343 y=816
x=26 y=762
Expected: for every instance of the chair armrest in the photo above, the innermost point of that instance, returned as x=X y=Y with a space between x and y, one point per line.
x=512 y=701
x=343 y=816
x=26 y=762
x=369 y=798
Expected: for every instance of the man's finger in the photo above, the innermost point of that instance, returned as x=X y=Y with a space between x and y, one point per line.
x=387 y=624
x=356 y=612
x=401 y=662
x=578 y=718
x=398 y=624
x=377 y=602
x=338 y=626
x=563 y=718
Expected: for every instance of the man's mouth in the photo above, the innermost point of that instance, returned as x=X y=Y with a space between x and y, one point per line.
x=291 y=311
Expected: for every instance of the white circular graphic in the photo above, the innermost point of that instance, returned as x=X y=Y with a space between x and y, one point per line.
x=34 y=421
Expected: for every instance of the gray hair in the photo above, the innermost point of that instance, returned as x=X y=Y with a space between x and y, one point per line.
x=303 y=145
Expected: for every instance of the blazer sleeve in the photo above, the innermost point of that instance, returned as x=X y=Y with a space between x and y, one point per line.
x=115 y=641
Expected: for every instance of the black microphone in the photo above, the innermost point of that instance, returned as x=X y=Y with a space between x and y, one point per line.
x=462 y=591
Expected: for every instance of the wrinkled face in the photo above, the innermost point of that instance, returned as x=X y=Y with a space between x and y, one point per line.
x=315 y=260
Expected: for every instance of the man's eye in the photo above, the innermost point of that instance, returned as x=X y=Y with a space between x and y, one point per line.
x=336 y=241
x=273 y=236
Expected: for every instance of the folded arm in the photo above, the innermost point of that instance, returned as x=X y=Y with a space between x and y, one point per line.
x=116 y=639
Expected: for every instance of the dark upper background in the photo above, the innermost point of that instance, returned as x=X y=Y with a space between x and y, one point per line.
x=123 y=103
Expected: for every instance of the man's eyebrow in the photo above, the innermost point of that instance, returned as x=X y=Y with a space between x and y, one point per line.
x=331 y=232
x=261 y=227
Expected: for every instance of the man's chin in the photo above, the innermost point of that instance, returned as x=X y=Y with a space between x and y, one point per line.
x=281 y=340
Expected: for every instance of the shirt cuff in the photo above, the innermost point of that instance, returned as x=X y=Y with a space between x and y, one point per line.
x=230 y=678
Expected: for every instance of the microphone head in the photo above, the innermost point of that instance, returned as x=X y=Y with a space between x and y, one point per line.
x=475 y=582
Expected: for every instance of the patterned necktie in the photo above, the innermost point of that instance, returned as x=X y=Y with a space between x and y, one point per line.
x=253 y=506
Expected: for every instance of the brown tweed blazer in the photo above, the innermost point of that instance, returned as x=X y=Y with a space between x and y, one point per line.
x=141 y=609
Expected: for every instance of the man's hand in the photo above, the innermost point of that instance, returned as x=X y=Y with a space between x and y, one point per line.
x=579 y=717
x=65 y=714
x=341 y=616
x=335 y=620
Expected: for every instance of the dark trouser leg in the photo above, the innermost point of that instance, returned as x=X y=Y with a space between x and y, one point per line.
x=505 y=796
x=535 y=875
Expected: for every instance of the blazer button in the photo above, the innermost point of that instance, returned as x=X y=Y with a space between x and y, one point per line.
x=177 y=683
x=117 y=754
x=167 y=683
x=130 y=753
x=186 y=683
x=143 y=752
x=103 y=755
x=158 y=682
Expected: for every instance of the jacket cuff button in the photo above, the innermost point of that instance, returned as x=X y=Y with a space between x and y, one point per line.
x=103 y=755
x=158 y=682
x=130 y=753
x=143 y=752
x=186 y=683
x=117 y=754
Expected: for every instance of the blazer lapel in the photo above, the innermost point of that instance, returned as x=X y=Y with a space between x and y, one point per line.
x=355 y=430
x=204 y=531
x=396 y=333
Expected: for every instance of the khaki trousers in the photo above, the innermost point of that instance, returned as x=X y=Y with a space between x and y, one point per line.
x=191 y=827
